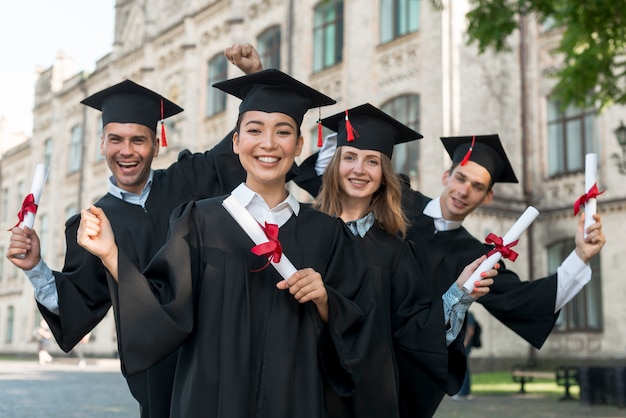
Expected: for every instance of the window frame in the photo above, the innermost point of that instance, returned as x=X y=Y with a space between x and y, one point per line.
x=406 y=108
x=268 y=47
x=217 y=70
x=562 y=125
x=577 y=315
x=396 y=19
x=327 y=32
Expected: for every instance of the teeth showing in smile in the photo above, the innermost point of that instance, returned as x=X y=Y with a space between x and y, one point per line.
x=268 y=159
x=358 y=181
x=127 y=164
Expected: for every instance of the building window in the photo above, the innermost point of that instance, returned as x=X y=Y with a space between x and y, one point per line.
x=216 y=99
x=570 y=138
x=5 y=204
x=584 y=312
x=398 y=18
x=75 y=157
x=327 y=34
x=406 y=109
x=47 y=152
x=21 y=193
x=1 y=264
x=10 y=324
x=44 y=234
x=268 y=47
x=314 y=135
x=98 y=155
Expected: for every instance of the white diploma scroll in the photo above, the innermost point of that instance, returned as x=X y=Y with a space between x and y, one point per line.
x=247 y=222
x=518 y=228
x=41 y=174
x=591 y=168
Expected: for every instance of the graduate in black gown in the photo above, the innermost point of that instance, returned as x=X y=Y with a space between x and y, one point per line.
x=529 y=308
x=360 y=187
x=251 y=343
x=139 y=203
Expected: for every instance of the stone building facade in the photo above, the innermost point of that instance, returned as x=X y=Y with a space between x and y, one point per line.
x=403 y=56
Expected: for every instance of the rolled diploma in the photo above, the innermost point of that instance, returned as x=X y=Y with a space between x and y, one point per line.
x=591 y=167
x=518 y=228
x=254 y=231
x=41 y=173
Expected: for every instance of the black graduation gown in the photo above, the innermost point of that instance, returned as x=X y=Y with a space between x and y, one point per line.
x=84 y=296
x=526 y=307
x=409 y=362
x=247 y=349
x=407 y=321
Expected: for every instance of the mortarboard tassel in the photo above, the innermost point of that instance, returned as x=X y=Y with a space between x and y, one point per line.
x=163 y=138
x=350 y=132
x=469 y=152
x=319 y=128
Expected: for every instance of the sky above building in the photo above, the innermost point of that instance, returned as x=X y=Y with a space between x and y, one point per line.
x=33 y=32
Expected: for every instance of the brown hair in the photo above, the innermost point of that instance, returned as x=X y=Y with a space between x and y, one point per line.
x=386 y=201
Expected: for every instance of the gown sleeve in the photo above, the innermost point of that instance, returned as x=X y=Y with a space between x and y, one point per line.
x=155 y=316
x=83 y=293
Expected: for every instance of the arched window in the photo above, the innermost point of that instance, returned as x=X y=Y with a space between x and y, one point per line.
x=406 y=109
x=268 y=47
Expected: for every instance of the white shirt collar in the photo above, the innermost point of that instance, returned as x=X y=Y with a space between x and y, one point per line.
x=259 y=209
x=135 y=199
x=433 y=209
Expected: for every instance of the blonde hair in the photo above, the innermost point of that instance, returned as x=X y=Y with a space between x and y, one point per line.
x=386 y=201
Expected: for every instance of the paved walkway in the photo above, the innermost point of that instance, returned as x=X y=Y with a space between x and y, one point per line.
x=524 y=406
x=63 y=390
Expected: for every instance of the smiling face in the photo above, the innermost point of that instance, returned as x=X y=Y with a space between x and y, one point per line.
x=465 y=188
x=129 y=149
x=360 y=173
x=267 y=144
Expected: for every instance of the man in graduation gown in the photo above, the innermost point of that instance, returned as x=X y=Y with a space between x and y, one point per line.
x=529 y=308
x=248 y=347
x=74 y=300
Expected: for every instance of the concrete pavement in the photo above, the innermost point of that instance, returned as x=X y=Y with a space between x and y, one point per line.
x=63 y=389
x=98 y=390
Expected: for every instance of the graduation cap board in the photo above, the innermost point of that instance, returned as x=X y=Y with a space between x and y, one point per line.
x=273 y=91
x=372 y=129
x=129 y=102
x=485 y=150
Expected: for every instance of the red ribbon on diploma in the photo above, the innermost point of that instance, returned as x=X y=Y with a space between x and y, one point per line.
x=271 y=249
x=505 y=250
x=28 y=205
x=591 y=194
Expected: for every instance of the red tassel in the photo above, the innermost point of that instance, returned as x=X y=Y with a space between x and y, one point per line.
x=469 y=152
x=319 y=129
x=163 y=137
x=350 y=132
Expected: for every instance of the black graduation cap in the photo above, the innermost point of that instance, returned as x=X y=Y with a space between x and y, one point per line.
x=128 y=102
x=272 y=91
x=485 y=150
x=372 y=129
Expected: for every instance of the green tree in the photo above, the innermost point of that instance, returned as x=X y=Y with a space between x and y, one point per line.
x=592 y=46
